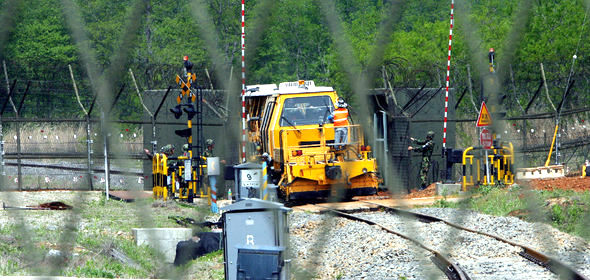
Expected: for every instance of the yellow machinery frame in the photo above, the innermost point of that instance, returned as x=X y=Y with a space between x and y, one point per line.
x=306 y=172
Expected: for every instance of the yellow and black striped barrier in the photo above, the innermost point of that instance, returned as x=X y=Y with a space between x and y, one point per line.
x=160 y=176
x=500 y=160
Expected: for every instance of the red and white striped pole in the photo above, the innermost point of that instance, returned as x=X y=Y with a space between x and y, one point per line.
x=448 y=74
x=243 y=83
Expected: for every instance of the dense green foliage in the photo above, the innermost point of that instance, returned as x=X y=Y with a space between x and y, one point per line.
x=291 y=39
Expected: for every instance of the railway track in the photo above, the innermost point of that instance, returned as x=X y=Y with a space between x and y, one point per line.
x=481 y=255
x=451 y=270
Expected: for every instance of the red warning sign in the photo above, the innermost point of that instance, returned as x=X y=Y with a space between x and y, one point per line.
x=484 y=118
x=485 y=139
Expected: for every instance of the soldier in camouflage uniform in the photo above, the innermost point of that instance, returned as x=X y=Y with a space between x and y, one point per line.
x=426 y=150
x=209 y=150
x=168 y=150
x=185 y=150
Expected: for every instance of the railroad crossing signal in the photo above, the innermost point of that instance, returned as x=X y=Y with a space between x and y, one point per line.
x=484 y=118
x=185 y=87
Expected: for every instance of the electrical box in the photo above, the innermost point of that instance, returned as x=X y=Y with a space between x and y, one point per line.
x=248 y=180
x=259 y=263
x=213 y=167
x=256 y=238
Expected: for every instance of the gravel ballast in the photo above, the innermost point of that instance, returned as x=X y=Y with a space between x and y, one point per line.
x=355 y=250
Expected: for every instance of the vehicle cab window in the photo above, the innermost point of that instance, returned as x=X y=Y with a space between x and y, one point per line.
x=306 y=110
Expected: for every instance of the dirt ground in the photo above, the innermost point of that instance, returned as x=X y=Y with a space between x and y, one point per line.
x=566 y=183
x=428 y=192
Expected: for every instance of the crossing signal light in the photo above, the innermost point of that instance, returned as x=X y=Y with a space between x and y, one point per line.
x=187 y=132
x=176 y=111
x=190 y=111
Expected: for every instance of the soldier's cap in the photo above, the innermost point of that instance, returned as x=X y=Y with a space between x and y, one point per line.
x=209 y=142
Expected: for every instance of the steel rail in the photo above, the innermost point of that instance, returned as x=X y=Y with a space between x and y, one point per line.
x=563 y=270
x=451 y=270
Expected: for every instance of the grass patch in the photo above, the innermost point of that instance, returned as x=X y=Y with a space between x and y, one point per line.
x=209 y=266
x=103 y=225
x=497 y=202
x=443 y=203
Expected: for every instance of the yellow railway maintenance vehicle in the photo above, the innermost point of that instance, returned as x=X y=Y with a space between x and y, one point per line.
x=290 y=123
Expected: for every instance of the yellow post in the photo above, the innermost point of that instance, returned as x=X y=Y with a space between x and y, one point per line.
x=159 y=188
x=164 y=172
x=173 y=183
x=464 y=161
x=491 y=161
x=194 y=183
x=552 y=143
x=478 y=172
x=181 y=170
x=155 y=174
x=500 y=172
x=511 y=162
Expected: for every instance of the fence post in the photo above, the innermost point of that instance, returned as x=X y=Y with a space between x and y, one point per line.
x=89 y=152
x=154 y=139
x=2 y=172
x=107 y=173
x=18 y=154
x=524 y=142
x=18 y=148
x=18 y=140
x=88 y=140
